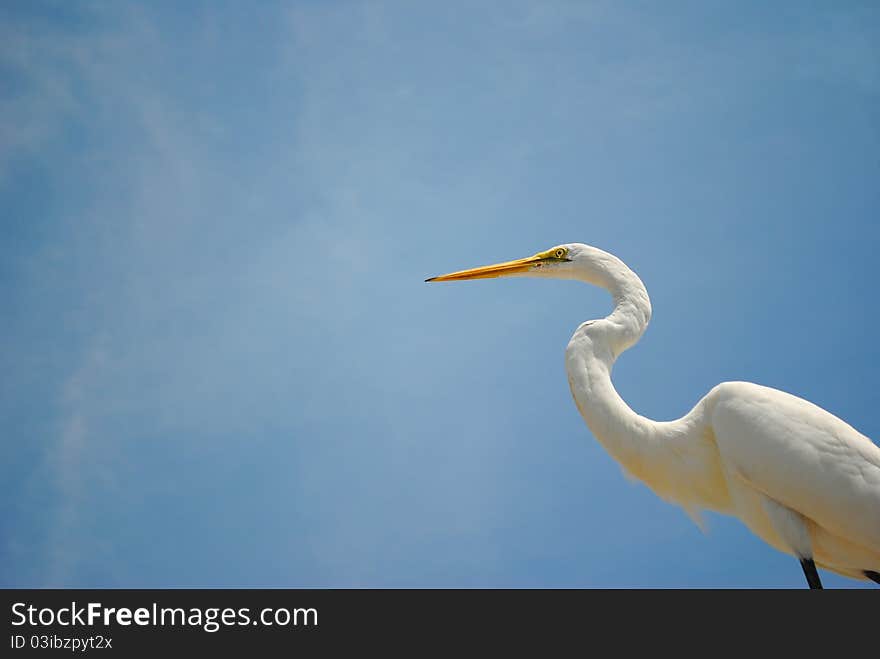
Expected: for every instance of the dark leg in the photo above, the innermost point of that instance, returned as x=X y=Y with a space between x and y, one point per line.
x=810 y=573
x=873 y=576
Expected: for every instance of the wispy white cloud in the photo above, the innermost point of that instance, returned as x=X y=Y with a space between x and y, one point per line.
x=71 y=462
x=168 y=233
x=142 y=176
x=40 y=98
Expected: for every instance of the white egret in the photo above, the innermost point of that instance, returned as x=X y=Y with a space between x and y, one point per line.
x=800 y=478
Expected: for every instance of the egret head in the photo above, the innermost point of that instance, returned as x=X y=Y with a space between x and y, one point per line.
x=560 y=262
x=590 y=265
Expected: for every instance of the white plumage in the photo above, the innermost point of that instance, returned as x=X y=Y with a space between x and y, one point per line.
x=799 y=477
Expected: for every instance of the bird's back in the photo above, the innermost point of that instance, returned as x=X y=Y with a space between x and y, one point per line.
x=803 y=457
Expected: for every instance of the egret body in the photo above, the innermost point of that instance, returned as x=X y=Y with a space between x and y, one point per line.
x=800 y=478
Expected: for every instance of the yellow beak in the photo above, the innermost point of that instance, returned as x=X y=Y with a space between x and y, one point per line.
x=490 y=271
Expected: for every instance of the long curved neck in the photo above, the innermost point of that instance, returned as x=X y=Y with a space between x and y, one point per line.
x=677 y=459
x=635 y=441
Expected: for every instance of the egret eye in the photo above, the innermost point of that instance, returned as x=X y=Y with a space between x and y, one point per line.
x=560 y=253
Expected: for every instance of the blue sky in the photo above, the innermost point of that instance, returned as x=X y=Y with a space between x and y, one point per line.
x=221 y=366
